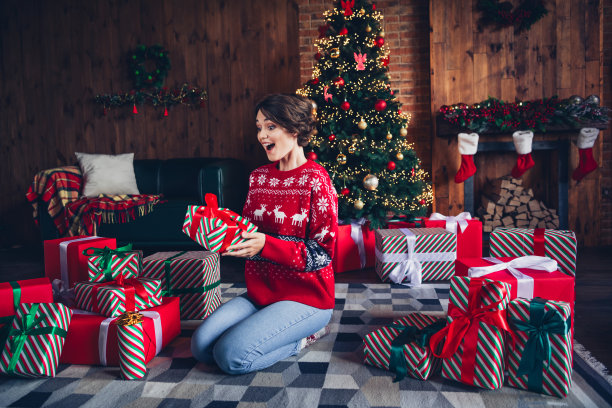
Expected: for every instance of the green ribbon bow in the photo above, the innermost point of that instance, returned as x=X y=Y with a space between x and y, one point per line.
x=18 y=337
x=537 y=349
x=167 y=275
x=409 y=334
x=7 y=321
x=106 y=256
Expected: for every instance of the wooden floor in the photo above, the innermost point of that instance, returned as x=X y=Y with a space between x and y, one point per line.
x=593 y=319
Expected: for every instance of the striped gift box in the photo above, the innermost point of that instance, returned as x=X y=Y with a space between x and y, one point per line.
x=553 y=377
x=434 y=248
x=111 y=299
x=211 y=233
x=420 y=362
x=488 y=368
x=558 y=245
x=193 y=276
x=36 y=354
x=128 y=266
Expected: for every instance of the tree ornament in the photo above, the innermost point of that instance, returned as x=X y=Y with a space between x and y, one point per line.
x=352 y=149
x=315 y=131
x=341 y=158
x=358 y=204
x=575 y=100
x=165 y=111
x=311 y=156
x=314 y=107
x=142 y=57
x=373 y=6
x=314 y=81
x=135 y=111
x=360 y=59
x=382 y=33
x=391 y=165
x=403 y=132
x=379 y=41
x=380 y=105
x=362 y=12
x=368 y=29
x=422 y=201
x=362 y=124
x=592 y=100
x=345 y=191
x=332 y=137
x=343 y=31
x=339 y=81
x=389 y=136
x=370 y=182
x=385 y=61
x=345 y=106
x=327 y=96
x=347 y=5
x=318 y=56
x=334 y=53
x=412 y=172
x=399 y=156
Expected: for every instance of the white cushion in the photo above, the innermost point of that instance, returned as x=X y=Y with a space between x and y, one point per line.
x=107 y=174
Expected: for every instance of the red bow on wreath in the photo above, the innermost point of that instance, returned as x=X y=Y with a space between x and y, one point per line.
x=347 y=6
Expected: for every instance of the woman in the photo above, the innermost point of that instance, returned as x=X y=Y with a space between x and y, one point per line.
x=290 y=281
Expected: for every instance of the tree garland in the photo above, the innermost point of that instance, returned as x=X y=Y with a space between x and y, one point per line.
x=138 y=71
x=494 y=115
x=503 y=15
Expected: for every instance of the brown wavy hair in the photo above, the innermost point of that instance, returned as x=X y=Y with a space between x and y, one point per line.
x=294 y=113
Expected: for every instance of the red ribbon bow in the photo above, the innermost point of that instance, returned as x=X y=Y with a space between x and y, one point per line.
x=465 y=327
x=212 y=210
x=347 y=6
x=132 y=287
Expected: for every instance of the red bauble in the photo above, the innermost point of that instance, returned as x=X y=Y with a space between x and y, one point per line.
x=412 y=173
x=399 y=111
x=345 y=106
x=345 y=191
x=332 y=137
x=380 y=105
x=311 y=156
x=373 y=7
x=318 y=56
x=422 y=202
x=391 y=165
x=339 y=81
x=385 y=61
x=343 y=31
x=379 y=41
x=314 y=81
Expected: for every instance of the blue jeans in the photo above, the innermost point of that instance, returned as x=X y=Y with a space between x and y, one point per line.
x=242 y=337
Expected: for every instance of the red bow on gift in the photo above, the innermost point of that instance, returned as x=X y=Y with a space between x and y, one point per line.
x=465 y=326
x=212 y=210
x=132 y=288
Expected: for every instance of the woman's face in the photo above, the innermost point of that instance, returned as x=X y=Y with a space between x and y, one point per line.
x=276 y=141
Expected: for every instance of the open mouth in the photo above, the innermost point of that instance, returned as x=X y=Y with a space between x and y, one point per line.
x=269 y=147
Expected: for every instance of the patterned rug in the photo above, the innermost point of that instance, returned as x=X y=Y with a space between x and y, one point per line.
x=328 y=374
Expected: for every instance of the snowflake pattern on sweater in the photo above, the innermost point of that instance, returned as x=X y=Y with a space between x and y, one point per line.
x=298 y=212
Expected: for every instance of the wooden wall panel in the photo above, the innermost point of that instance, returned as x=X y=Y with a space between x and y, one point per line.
x=560 y=55
x=56 y=56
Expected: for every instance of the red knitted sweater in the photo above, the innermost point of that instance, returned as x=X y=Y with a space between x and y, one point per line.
x=298 y=212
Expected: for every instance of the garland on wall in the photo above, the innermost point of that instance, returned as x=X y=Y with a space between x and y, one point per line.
x=149 y=68
x=494 y=115
x=503 y=14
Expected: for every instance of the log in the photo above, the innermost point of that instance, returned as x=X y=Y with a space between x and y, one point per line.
x=508 y=221
x=534 y=206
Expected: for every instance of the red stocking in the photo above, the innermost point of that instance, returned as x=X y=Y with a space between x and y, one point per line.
x=522 y=143
x=468 y=145
x=586 y=141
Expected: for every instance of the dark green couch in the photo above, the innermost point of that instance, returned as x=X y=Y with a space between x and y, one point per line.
x=181 y=182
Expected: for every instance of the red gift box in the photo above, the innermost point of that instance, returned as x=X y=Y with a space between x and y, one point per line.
x=30 y=291
x=64 y=257
x=92 y=338
x=469 y=238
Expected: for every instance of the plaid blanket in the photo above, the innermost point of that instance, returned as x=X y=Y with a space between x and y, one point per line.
x=60 y=188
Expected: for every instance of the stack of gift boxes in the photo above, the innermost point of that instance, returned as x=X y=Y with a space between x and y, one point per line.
x=112 y=307
x=510 y=315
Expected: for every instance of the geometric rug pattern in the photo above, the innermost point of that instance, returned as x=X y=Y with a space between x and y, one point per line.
x=328 y=374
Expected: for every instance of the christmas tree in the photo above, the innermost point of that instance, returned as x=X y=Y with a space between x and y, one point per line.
x=361 y=133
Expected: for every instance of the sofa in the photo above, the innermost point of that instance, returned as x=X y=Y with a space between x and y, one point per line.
x=181 y=182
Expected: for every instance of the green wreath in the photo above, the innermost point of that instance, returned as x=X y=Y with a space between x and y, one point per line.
x=156 y=59
x=504 y=15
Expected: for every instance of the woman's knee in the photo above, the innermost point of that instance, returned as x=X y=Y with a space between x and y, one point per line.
x=231 y=356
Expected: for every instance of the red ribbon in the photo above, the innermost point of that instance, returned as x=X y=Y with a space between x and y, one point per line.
x=465 y=326
x=212 y=210
x=132 y=287
x=538 y=241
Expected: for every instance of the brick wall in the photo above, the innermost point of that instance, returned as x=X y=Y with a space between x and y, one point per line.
x=606 y=165
x=406 y=25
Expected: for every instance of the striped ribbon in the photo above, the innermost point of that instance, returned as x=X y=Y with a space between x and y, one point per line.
x=524 y=283
x=168 y=275
x=409 y=262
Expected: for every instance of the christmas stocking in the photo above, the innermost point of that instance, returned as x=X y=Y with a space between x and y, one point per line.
x=586 y=140
x=468 y=145
x=523 y=140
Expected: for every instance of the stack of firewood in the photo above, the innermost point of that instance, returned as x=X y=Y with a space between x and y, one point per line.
x=505 y=203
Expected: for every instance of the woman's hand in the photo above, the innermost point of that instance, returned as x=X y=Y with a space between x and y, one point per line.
x=253 y=245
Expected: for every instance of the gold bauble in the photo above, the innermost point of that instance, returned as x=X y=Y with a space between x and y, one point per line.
x=341 y=159
x=315 y=132
x=389 y=136
x=399 y=156
x=370 y=182
x=403 y=131
x=362 y=12
x=335 y=52
x=358 y=204
x=352 y=149
x=362 y=124
x=381 y=34
x=368 y=29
